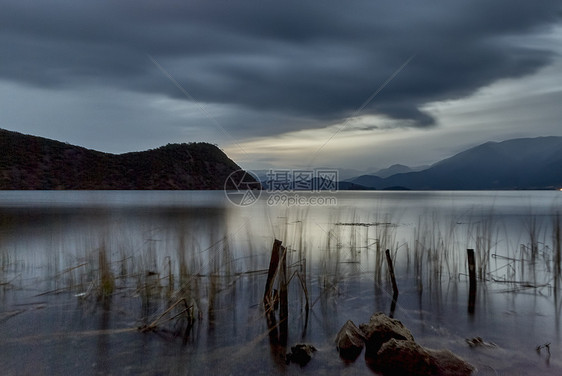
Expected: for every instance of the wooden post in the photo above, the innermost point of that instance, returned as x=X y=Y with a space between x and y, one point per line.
x=391 y=271
x=283 y=299
x=394 y=285
x=268 y=300
x=472 y=280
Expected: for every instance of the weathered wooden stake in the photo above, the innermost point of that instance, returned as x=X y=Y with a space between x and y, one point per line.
x=268 y=300
x=283 y=299
x=391 y=271
x=394 y=285
x=472 y=280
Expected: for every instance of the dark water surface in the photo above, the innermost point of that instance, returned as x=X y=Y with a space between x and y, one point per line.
x=82 y=271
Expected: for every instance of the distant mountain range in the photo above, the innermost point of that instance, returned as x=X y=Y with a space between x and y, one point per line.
x=525 y=163
x=29 y=162
x=397 y=169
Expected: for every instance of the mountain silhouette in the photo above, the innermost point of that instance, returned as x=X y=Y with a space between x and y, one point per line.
x=524 y=163
x=29 y=162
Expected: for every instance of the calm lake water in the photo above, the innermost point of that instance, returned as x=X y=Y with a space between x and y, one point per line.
x=80 y=272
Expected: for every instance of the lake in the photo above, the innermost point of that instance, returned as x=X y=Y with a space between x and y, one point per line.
x=172 y=282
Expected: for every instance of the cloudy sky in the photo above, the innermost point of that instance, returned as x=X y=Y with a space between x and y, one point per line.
x=354 y=84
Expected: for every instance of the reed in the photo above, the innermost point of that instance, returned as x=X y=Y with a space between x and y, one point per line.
x=432 y=250
x=202 y=267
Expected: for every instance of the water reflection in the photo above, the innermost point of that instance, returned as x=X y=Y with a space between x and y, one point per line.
x=125 y=261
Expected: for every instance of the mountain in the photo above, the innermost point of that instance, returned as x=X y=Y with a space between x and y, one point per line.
x=392 y=170
x=347 y=173
x=397 y=169
x=344 y=174
x=525 y=163
x=349 y=186
x=369 y=181
x=314 y=184
x=29 y=162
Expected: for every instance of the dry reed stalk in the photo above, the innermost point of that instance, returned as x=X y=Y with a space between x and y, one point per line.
x=153 y=325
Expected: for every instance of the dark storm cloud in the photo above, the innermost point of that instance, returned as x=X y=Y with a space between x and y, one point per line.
x=312 y=60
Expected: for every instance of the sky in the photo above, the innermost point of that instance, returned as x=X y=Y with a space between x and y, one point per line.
x=284 y=84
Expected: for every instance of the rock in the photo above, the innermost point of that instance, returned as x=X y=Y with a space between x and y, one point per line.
x=399 y=357
x=479 y=342
x=448 y=364
x=301 y=354
x=350 y=341
x=381 y=329
x=403 y=357
x=392 y=351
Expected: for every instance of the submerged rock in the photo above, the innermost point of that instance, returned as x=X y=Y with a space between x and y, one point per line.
x=448 y=364
x=301 y=354
x=402 y=357
x=399 y=357
x=350 y=341
x=479 y=342
x=380 y=329
x=392 y=350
